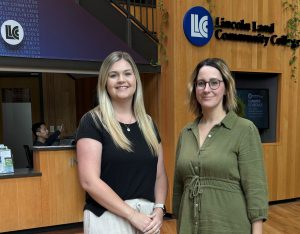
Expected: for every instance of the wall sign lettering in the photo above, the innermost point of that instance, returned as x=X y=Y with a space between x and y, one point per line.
x=198 y=29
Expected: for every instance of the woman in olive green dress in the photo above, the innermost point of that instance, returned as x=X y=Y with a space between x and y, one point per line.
x=219 y=182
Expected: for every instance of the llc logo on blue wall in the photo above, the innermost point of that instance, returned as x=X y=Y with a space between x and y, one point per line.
x=198 y=26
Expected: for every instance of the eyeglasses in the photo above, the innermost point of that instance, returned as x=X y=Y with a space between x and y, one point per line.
x=213 y=84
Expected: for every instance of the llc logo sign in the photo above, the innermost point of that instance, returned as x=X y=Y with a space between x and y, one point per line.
x=198 y=26
x=12 y=32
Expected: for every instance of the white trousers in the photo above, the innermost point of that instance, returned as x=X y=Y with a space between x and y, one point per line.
x=109 y=223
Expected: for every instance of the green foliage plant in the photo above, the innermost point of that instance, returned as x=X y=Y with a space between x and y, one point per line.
x=293 y=32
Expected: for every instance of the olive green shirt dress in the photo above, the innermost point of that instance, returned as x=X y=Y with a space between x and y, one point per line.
x=220 y=187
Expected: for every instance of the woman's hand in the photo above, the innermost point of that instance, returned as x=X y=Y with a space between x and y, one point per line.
x=156 y=223
x=140 y=220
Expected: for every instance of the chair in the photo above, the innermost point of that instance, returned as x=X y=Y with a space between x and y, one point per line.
x=29 y=156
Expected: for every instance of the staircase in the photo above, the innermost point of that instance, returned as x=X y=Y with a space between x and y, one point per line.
x=129 y=20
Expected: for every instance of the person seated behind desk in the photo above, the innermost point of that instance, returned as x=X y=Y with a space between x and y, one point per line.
x=41 y=134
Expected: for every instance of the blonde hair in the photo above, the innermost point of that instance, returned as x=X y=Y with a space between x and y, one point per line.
x=229 y=100
x=105 y=112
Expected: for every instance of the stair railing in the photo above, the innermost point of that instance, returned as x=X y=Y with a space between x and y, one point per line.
x=133 y=10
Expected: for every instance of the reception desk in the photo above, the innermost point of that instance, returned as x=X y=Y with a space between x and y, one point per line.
x=48 y=195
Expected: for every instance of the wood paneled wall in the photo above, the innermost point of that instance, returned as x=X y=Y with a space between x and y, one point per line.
x=282 y=158
x=86 y=96
x=151 y=91
x=59 y=102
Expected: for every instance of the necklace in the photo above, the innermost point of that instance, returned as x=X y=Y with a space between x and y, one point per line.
x=127 y=127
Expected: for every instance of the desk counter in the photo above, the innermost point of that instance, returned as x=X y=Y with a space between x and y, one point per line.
x=53 y=148
x=48 y=195
x=20 y=173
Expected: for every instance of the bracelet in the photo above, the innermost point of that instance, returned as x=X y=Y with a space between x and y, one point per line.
x=161 y=206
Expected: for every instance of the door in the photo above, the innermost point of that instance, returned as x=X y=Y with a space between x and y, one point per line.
x=17 y=132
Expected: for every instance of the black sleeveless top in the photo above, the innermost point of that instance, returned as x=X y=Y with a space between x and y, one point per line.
x=130 y=174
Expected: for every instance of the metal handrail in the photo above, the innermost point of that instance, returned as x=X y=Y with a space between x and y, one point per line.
x=126 y=10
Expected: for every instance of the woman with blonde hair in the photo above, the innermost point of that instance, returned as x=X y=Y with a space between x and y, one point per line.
x=120 y=158
x=219 y=183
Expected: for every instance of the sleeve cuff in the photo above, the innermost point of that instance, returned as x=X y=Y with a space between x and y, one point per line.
x=257 y=214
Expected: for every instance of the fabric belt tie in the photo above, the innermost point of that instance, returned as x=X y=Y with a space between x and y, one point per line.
x=196 y=185
x=195 y=193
